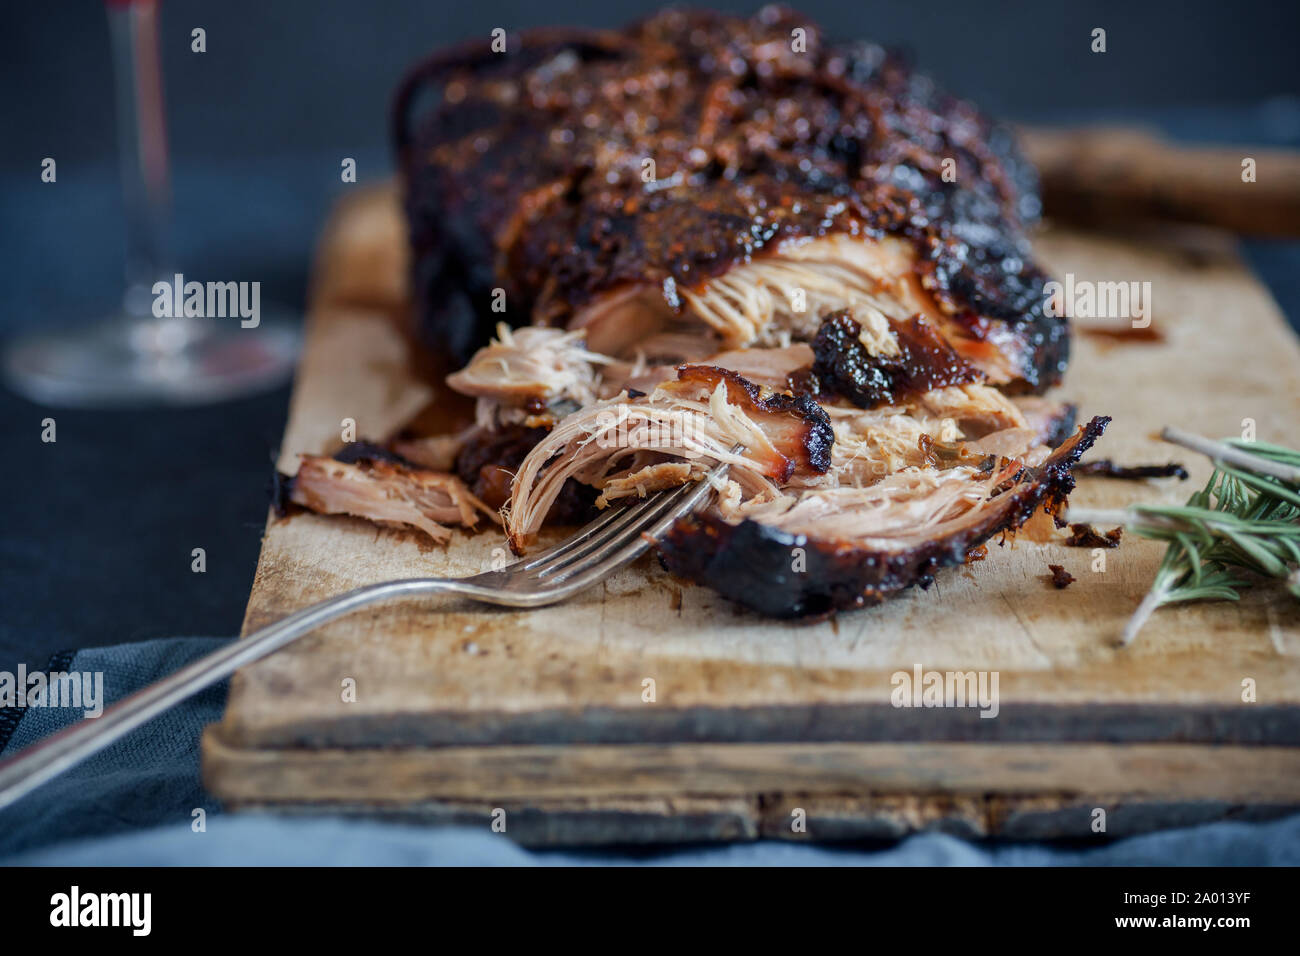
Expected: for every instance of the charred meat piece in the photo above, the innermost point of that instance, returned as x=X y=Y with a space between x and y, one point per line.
x=1086 y=536
x=1105 y=468
x=883 y=496
x=698 y=182
x=920 y=362
x=785 y=572
x=367 y=452
x=1061 y=578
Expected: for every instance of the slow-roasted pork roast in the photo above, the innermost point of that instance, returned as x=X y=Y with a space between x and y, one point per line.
x=704 y=238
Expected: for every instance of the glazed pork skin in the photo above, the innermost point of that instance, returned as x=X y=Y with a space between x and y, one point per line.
x=692 y=176
x=754 y=564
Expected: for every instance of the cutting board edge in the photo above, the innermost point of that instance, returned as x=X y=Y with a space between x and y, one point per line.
x=1075 y=722
x=1168 y=771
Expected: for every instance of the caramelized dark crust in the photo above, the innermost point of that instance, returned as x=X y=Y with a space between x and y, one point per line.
x=843 y=366
x=1105 y=468
x=756 y=566
x=531 y=175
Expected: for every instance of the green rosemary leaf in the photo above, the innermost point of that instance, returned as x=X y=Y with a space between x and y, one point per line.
x=1288 y=456
x=1261 y=483
x=1201 y=594
x=1243 y=526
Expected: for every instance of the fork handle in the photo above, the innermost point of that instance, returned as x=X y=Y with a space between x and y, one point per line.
x=48 y=758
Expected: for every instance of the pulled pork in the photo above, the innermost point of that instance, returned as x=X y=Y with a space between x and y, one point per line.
x=386 y=490
x=797 y=288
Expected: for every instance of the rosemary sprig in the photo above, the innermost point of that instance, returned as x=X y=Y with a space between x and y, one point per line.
x=1242 y=526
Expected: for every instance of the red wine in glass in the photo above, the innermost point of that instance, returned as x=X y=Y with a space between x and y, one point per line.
x=135 y=357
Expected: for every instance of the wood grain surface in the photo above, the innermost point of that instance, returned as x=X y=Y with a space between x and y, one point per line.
x=1109 y=175
x=460 y=707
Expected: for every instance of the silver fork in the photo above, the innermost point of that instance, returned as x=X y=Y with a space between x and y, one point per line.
x=612 y=540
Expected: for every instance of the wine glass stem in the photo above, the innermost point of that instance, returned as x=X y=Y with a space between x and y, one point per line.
x=142 y=145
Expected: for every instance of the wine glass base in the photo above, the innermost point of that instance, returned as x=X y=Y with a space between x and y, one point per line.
x=134 y=362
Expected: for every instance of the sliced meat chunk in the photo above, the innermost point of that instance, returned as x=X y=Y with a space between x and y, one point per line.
x=388 y=492
x=697 y=418
x=524 y=374
x=806 y=560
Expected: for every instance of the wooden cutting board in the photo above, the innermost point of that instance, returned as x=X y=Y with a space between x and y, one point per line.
x=545 y=720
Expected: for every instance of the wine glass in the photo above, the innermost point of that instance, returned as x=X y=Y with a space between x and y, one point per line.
x=137 y=356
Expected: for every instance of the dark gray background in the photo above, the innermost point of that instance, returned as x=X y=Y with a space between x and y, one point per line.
x=284 y=75
x=98 y=528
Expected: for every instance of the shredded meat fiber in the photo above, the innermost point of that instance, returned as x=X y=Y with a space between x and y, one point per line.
x=797 y=289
